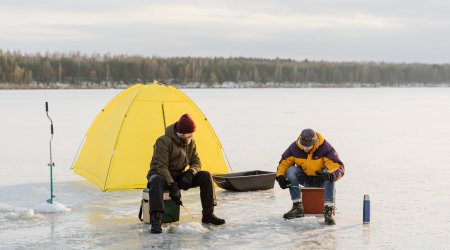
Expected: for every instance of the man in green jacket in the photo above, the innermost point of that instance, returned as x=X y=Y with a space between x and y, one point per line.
x=172 y=153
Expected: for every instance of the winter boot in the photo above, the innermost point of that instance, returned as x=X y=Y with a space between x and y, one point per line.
x=329 y=215
x=210 y=218
x=297 y=211
x=155 y=220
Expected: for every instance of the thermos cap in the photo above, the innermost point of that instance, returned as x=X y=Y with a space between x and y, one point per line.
x=366 y=197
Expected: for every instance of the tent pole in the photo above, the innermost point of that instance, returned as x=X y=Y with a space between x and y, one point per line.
x=78 y=152
x=164 y=115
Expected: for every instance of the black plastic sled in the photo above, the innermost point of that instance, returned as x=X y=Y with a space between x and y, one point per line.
x=246 y=181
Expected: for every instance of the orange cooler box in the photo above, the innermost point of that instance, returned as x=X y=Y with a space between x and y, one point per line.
x=313 y=200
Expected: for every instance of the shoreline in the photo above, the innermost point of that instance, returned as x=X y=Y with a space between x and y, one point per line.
x=225 y=85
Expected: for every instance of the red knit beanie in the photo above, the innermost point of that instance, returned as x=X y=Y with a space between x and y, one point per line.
x=185 y=125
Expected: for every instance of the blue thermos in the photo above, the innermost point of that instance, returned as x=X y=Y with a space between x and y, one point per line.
x=366 y=209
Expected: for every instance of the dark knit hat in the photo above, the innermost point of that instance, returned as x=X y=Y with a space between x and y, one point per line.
x=307 y=137
x=185 y=125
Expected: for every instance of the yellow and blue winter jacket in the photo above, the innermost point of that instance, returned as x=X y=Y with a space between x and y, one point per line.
x=321 y=156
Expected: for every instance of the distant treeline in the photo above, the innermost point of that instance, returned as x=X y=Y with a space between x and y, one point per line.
x=76 y=69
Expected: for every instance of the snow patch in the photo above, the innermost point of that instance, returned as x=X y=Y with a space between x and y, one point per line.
x=30 y=214
x=189 y=228
x=56 y=207
x=27 y=214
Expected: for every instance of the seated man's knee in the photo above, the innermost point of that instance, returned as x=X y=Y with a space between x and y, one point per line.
x=292 y=172
x=156 y=179
x=204 y=175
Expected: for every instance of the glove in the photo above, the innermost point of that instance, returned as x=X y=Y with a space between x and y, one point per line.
x=282 y=181
x=186 y=180
x=174 y=193
x=325 y=175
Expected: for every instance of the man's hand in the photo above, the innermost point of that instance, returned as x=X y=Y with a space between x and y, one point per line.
x=325 y=175
x=186 y=180
x=282 y=181
x=175 y=194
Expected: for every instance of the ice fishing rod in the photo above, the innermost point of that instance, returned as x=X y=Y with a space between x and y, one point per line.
x=187 y=211
x=51 y=164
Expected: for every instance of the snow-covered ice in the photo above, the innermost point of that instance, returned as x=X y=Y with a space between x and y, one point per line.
x=393 y=141
x=54 y=207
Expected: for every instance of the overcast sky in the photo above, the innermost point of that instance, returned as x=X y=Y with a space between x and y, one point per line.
x=352 y=30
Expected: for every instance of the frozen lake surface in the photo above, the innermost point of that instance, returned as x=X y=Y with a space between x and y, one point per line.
x=393 y=141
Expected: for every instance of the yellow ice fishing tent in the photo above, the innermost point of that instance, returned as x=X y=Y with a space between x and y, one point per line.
x=118 y=146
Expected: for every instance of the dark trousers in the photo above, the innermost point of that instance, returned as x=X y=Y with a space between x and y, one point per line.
x=157 y=185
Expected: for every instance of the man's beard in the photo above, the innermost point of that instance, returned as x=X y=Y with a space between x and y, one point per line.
x=186 y=141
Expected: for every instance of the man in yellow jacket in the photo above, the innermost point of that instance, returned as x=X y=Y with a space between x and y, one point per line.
x=312 y=162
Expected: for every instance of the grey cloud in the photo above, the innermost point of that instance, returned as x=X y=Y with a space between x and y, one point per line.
x=329 y=30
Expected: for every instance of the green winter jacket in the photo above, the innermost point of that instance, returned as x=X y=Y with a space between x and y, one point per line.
x=171 y=156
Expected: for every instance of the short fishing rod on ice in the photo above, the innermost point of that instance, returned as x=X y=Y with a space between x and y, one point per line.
x=187 y=211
